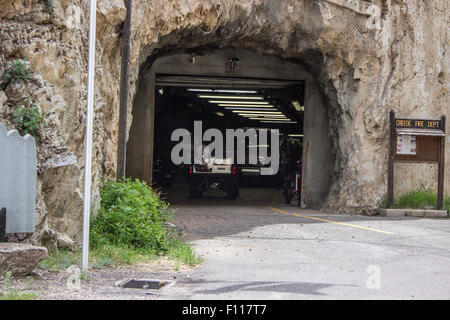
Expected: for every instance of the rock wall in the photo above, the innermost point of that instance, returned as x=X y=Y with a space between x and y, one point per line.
x=55 y=44
x=363 y=73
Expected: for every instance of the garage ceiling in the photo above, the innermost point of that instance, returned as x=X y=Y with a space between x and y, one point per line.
x=223 y=82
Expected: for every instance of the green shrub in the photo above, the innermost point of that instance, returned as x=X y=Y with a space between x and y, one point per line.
x=49 y=6
x=27 y=119
x=131 y=215
x=16 y=70
x=447 y=203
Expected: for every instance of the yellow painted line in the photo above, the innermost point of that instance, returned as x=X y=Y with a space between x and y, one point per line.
x=330 y=221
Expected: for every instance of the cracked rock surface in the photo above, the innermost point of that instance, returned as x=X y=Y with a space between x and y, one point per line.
x=362 y=72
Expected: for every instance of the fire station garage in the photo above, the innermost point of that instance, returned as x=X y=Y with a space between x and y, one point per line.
x=231 y=89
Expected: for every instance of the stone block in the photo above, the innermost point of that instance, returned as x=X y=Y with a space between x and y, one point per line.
x=18 y=180
x=20 y=259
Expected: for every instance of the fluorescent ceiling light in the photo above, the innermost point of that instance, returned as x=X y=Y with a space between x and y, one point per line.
x=258 y=112
x=295 y=135
x=224 y=91
x=278 y=121
x=247 y=106
x=263 y=117
x=255 y=115
x=272 y=118
x=203 y=96
x=253 y=109
x=259 y=146
x=237 y=91
x=200 y=90
x=297 y=106
x=269 y=118
x=220 y=114
x=239 y=102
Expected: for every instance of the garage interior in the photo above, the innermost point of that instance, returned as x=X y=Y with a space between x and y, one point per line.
x=222 y=107
x=229 y=89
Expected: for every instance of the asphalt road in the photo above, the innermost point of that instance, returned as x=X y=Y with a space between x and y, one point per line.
x=258 y=248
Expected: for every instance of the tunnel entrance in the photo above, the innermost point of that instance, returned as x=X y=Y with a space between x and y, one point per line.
x=222 y=104
x=231 y=89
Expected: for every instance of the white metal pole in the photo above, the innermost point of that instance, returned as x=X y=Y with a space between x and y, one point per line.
x=88 y=141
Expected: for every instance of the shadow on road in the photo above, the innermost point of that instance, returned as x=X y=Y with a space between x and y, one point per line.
x=310 y=288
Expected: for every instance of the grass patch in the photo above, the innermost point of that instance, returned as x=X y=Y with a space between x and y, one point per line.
x=417 y=199
x=99 y=257
x=182 y=252
x=10 y=293
x=107 y=256
x=15 y=295
x=111 y=255
x=60 y=260
x=447 y=203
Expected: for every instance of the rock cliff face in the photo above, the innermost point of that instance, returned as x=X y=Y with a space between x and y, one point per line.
x=365 y=67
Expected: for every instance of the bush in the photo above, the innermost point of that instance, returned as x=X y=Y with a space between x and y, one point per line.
x=131 y=215
x=49 y=6
x=28 y=120
x=16 y=70
x=417 y=199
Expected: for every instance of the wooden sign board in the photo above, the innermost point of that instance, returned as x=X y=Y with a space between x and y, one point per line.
x=426 y=148
x=418 y=124
x=416 y=140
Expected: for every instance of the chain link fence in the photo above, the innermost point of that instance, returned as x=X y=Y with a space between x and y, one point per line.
x=350 y=18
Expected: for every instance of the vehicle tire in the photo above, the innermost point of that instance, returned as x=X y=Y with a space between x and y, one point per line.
x=195 y=191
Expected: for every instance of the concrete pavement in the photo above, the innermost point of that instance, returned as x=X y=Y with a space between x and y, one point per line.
x=259 y=248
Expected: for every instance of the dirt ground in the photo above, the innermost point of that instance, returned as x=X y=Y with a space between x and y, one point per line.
x=193 y=217
x=98 y=284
